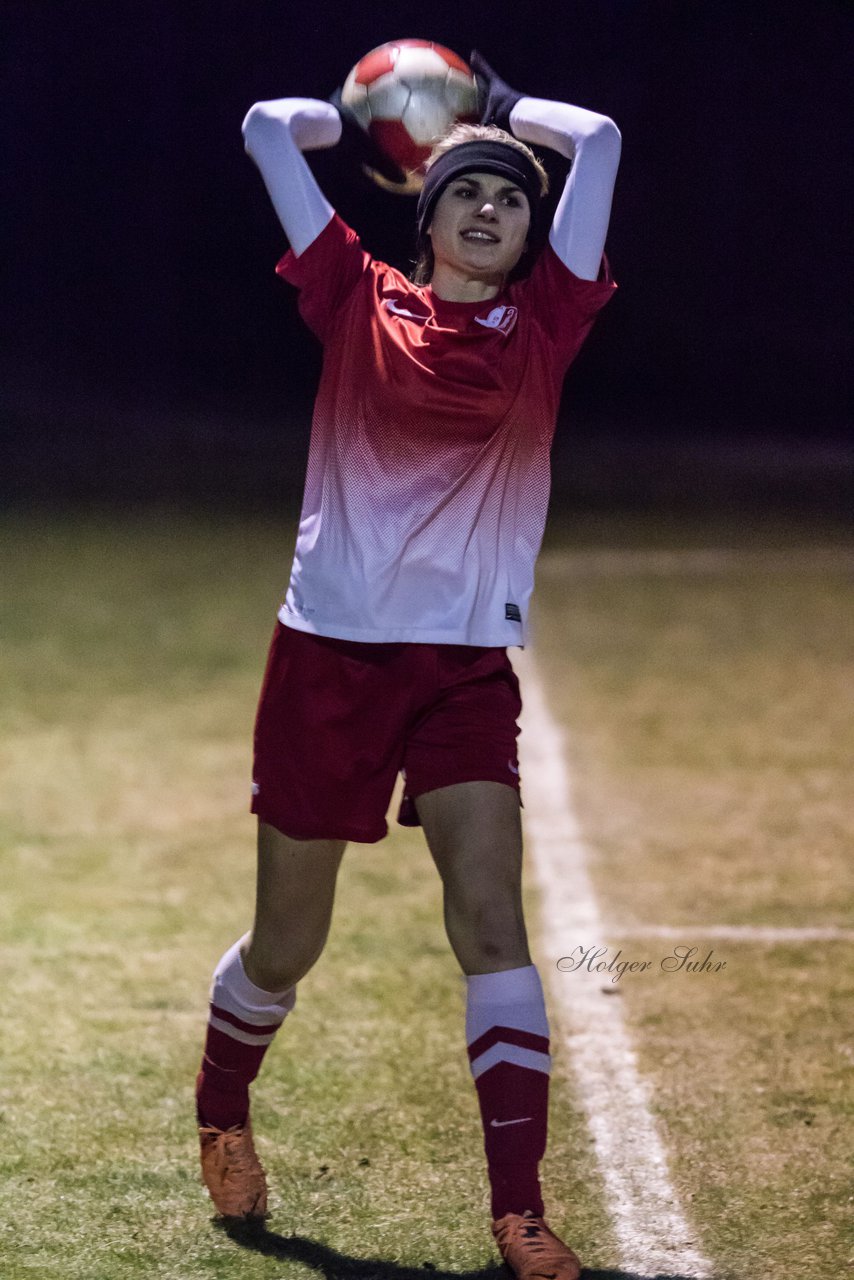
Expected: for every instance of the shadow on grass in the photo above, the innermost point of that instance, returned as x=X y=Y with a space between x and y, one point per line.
x=341 y=1266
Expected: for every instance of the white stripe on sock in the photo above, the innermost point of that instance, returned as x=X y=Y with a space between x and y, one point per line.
x=273 y=1015
x=530 y=1017
x=501 y=1052
x=244 y=1037
x=232 y=991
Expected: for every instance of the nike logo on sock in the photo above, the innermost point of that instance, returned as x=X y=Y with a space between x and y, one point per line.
x=497 y=1124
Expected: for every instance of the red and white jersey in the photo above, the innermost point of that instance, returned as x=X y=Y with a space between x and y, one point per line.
x=428 y=472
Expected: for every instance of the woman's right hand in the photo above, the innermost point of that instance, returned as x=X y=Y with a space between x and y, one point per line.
x=361 y=144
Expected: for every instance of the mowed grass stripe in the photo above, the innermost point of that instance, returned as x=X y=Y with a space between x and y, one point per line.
x=132 y=654
x=710 y=738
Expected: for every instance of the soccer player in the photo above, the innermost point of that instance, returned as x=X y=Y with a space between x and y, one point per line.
x=424 y=507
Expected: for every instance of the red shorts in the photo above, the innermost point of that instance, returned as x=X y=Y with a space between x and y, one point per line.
x=338 y=719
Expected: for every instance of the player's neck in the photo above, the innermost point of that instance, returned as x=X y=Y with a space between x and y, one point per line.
x=452 y=285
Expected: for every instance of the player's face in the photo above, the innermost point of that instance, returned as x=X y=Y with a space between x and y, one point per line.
x=480 y=226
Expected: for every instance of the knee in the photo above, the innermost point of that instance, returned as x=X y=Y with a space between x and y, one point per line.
x=278 y=965
x=488 y=926
x=484 y=904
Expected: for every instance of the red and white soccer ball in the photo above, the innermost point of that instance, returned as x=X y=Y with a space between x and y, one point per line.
x=406 y=94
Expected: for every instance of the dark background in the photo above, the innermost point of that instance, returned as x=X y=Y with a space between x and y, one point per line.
x=150 y=352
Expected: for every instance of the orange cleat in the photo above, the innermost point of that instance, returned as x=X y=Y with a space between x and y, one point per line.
x=532 y=1251
x=232 y=1172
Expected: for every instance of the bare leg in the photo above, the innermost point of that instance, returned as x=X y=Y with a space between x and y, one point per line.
x=294 y=897
x=475 y=836
x=251 y=995
x=474 y=832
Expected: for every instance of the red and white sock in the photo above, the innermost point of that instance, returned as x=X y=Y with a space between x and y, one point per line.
x=242 y=1024
x=507 y=1033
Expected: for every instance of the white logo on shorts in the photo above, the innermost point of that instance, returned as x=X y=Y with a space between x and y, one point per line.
x=512 y=767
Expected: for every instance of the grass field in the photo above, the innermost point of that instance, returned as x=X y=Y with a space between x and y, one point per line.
x=709 y=711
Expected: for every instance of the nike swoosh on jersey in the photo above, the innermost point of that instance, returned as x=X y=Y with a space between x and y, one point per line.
x=498 y=1124
x=391 y=305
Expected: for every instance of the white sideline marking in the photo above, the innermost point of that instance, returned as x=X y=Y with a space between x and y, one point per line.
x=734 y=932
x=652 y=1232
x=631 y=560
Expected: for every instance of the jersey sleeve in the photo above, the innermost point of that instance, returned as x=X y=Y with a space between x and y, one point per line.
x=592 y=144
x=276 y=133
x=326 y=274
x=565 y=305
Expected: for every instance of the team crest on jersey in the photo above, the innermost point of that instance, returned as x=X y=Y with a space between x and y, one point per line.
x=502 y=318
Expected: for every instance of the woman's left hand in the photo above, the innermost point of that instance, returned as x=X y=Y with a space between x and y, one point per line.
x=495 y=96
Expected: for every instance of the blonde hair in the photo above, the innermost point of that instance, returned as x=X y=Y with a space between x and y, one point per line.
x=458 y=133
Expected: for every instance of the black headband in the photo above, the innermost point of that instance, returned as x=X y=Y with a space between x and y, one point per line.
x=477 y=157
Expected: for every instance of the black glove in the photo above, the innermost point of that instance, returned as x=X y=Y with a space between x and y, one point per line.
x=495 y=97
x=361 y=144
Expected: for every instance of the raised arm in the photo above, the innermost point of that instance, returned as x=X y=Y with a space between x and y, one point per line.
x=589 y=141
x=592 y=143
x=275 y=134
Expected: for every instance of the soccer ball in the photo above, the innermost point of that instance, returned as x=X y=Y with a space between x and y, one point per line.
x=405 y=94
